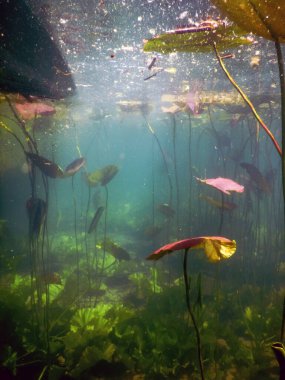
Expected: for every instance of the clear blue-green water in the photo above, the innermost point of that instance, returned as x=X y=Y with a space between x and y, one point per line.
x=79 y=305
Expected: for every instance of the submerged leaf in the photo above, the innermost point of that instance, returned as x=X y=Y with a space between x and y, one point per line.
x=93 y=179
x=46 y=166
x=256 y=176
x=216 y=247
x=108 y=172
x=115 y=250
x=37 y=212
x=96 y=219
x=74 y=167
x=101 y=176
x=225 y=185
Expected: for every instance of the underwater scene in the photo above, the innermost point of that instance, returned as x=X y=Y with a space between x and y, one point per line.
x=142 y=189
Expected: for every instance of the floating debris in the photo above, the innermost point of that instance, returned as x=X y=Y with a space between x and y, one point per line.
x=153 y=74
x=134 y=106
x=152 y=63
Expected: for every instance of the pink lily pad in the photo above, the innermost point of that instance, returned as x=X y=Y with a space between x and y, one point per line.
x=216 y=247
x=29 y=110
x=226 y=185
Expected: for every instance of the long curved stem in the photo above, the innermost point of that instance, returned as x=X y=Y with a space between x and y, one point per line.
x=248 y=102
x=192 y=316
x=282 y=90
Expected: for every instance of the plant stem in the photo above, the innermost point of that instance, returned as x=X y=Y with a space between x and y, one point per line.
x=280 y=61
x=164 y=159
x=175 y=171
x=192 y=316
x=283 y=322
x=248 y=102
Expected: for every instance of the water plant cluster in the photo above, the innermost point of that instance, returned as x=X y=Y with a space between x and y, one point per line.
x=134 y=324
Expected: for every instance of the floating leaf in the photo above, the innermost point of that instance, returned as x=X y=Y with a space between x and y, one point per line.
x=262 y=17
x=216 y=247
x=197 y=38
x=225 y=185
x=46 y=166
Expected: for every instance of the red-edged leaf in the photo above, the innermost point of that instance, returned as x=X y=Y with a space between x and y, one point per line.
x=215 y=247
x=225 y=185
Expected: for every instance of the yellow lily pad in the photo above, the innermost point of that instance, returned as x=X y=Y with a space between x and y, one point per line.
x=262 y=17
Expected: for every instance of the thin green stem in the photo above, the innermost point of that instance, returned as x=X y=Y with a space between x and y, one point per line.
x=164 y=159
x=192 y=316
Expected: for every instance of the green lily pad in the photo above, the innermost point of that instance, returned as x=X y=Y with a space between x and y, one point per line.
x=197 y=41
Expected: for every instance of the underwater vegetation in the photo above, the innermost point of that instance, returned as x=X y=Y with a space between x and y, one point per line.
x=98 y=278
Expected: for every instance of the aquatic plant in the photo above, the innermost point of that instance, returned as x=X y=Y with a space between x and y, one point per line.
x=197 y=38
x=206 y=37
x=74 y=167
x=279 y=352
x=151 y=130
x=263 y=18
x=216 y=248
x=46 y=166
x=225 y=186
x=266 y=20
